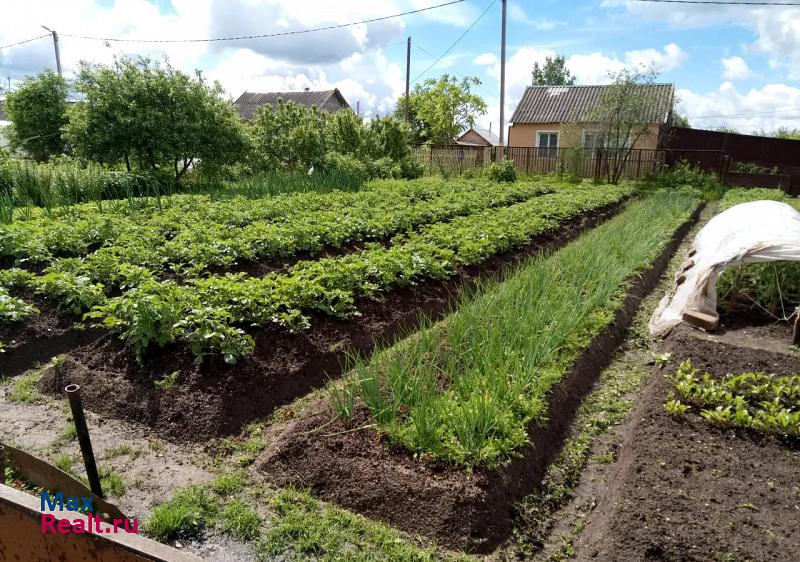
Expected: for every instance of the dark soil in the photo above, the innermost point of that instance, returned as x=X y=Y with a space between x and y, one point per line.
x=40 y=337
x=361 y=471
x=684 y=490
x=215 y=399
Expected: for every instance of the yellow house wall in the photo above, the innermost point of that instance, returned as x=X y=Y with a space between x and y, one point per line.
x=569 y=135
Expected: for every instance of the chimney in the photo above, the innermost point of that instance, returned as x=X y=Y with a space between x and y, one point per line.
x=490 y=127
x=306 y=89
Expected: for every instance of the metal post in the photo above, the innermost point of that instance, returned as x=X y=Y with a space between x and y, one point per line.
x=55 y=46
x=408 y=76
x=503 y=86
x=74 y=394
x=2 y=465
x=796 y=333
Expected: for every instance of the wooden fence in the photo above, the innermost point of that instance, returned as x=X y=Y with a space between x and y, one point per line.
x=581 y=162
x=587 y=163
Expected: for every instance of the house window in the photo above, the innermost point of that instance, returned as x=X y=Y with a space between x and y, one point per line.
x=592 y=139
x=548 y=143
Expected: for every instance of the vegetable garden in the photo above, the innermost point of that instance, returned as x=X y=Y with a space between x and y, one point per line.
x=419 y=348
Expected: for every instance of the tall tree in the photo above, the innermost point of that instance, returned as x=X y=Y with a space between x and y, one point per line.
x=679 y=120
x=443 y=108
x=38 y=111
x=624 y=112
x=151 y=116
x=554 y=72
x=292 y=136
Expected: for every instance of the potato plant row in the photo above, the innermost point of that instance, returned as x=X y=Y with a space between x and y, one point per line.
x=465 y=390
x=210 y=313
x=190 y=235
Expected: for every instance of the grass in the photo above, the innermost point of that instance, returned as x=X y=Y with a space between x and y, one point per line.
x=123 y=449
x=240 y=520
x=64 y=461
x=111 y=481
x=23 y=389
x=189 y=511
x=229 y=484
x=464 y=391
x=303 y=528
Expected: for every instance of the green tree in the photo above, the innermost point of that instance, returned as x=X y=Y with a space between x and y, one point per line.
x=442 y=109
x=289 y=136
x=389 y=137
x=37 y=110
x=554 y=72
x=152 y=117
x=623 y=114
x=679 y=120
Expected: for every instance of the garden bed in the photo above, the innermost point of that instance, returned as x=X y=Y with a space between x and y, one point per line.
x=215 y=398
x=684 y=489
x=357 y=467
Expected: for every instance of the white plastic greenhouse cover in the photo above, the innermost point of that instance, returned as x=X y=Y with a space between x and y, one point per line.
x=760 y=231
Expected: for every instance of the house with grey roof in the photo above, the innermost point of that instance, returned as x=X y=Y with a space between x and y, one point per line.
x=330 y=101
x=478 y=137
x=551 y=117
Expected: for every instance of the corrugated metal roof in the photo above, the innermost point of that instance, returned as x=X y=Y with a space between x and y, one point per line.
x=249 y=102
x=560 y=104
x=485 y=134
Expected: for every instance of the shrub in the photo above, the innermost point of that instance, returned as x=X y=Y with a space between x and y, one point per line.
x=684 y=174
x=411 y=170
x=503 y=171
x=345 y=166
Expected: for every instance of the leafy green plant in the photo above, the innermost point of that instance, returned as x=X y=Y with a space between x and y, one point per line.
x=503 y=171
x=757 y=401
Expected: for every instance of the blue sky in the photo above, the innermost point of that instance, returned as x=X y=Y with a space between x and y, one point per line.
x=732 y=66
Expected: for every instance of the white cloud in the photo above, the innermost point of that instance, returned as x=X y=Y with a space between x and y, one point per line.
x=485 y=58
x=735 y=68
x=349 y=58
x=776 y=28
x=670 y=58
x=518 y=15
x=768 y=108
x=595 y=68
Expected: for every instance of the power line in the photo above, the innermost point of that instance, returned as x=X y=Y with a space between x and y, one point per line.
x=480 y=86
x=720 y=2
x=457 y=41
x=262 y=35
x=25 y=41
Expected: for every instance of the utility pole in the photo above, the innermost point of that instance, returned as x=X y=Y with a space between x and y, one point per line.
x=408 y=76
x=502 y=87
x=55 y=46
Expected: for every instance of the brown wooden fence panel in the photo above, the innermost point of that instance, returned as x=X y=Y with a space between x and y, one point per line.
x=586 y=163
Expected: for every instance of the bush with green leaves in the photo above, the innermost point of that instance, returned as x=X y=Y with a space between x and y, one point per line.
x=503 y=171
